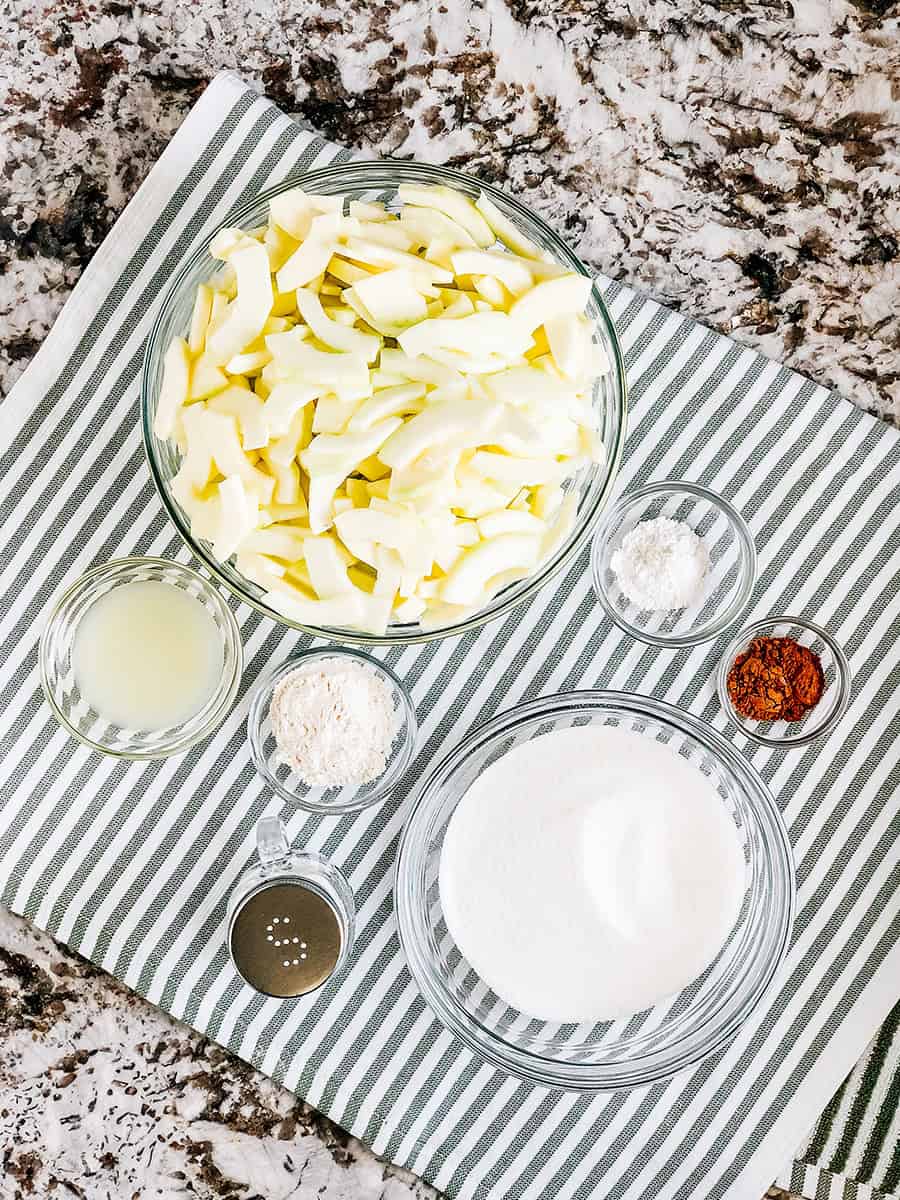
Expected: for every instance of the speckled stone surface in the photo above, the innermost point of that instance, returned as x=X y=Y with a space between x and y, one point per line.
x=103 y=1097
x=737 y=161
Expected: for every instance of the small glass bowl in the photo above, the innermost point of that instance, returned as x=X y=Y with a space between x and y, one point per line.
x=818 y=720
x=732 y=572
x=58 y=676
x=287 y=783
x=677 y=1032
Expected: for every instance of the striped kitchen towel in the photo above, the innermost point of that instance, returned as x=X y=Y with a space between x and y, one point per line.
x=854 y=1150
x=131 y=864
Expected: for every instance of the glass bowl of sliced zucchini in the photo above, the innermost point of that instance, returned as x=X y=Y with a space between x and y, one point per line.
x=385 y=403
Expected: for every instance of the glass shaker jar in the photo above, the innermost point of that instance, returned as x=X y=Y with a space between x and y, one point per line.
x=291 y=918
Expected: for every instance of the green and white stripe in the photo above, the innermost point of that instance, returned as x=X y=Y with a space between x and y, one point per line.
x=132 y=864
x=853 y=1152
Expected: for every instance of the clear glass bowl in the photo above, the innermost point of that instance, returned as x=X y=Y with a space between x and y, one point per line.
x=649 y=1046
x=819 y=720
x=58 y=677
x=370 y=181
x=287 y=783
x=732 y=574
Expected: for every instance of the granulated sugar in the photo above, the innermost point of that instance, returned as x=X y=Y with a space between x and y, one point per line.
x=590 y=873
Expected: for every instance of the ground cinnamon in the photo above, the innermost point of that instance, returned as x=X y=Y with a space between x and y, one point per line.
x=775 y=679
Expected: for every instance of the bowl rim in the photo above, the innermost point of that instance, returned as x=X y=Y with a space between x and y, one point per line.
x=830 y=719
x=387 y=781
x=403 y=171
x=715 y=626
x=614 y=1075
x=177 y=746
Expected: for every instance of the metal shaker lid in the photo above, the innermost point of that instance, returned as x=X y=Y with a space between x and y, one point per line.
x=285 y=939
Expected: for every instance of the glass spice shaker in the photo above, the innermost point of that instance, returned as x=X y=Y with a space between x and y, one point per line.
x=291 y=918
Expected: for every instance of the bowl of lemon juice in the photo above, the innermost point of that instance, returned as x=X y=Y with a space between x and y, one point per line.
x=141 y=658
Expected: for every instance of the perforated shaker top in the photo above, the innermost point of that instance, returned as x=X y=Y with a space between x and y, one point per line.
x=286 y=939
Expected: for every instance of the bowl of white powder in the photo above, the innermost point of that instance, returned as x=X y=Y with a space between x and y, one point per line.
x=594 y=891
x=331 y=730
x=673 y=564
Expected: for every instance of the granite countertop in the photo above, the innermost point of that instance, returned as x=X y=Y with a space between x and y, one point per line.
x=738 y=161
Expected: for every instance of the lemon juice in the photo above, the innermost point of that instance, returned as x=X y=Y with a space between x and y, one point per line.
x=147 y=655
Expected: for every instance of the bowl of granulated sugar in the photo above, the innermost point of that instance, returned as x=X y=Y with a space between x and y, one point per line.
x=673 y=564
x=331 y=730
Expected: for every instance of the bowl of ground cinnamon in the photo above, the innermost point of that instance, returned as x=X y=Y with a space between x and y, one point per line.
x=784 y=681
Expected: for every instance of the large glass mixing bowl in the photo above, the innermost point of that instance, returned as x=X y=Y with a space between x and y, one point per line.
x=371 y=181
x=645 y=1047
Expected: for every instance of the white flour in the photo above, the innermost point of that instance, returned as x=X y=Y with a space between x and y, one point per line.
x=590 y=873
x=334 y=722
x=661 y=565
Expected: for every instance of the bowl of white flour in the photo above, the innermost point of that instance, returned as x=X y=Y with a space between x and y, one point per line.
x=331 y=730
